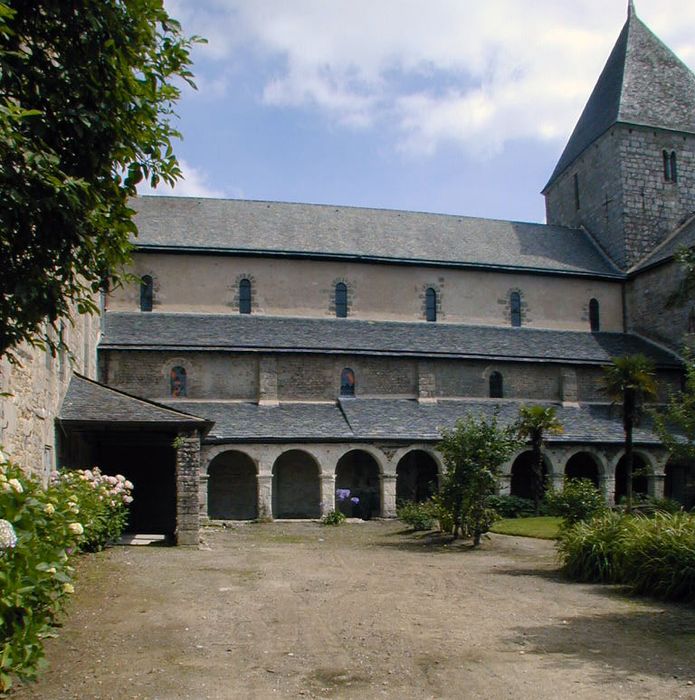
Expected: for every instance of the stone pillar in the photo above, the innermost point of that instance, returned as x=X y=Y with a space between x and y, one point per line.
x=268 y=381
x=203 y=497
x=187 y=488
x=388 y=496
x=265 y=496
x=606 y=485
x=568 y=387
x=327 y=493
x=427 y=382
x=556 y=481
x=505 y=484
x=656 y=485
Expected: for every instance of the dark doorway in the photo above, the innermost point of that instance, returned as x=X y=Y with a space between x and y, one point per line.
x=522 y=476
x=296 y=486
x=582 y=466
x=640 y=479
x=417 y=477
x=680 y=483
x=232 y=487
x=358 y=473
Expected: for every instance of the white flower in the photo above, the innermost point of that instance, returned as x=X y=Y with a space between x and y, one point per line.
x=68 y=588
x=127 y=499
x=5 y=487
x=129 y=485
x=8 y=538
x=16 y=485
x=49 y=509
x=3 y=459
x=73 y=507
x=76 y=528
x=52 y=570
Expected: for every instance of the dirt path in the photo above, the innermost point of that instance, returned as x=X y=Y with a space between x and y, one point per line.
x=297 y=610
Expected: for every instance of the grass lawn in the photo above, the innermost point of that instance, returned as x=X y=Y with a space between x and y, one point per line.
x=544 y=527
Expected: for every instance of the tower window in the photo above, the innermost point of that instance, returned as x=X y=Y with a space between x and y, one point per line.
x=670 y=166
x=177 y=382
x=245 y=296
x=594 y=316
x=496 y=385
x=347 y=382
x=431 y=304
x=577 y=203
x=515 y=308
x=341 y=300
x=146 y=293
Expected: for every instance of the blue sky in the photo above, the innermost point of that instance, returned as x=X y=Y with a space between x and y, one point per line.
x=453 y=106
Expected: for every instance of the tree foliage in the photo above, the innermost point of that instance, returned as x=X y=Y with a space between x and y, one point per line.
x=533 y=424
x=685 y=291
x=86 y=106
x=473 y=452
x=629 y=381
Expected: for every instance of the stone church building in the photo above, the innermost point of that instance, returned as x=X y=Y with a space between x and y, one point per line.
x=276 y=352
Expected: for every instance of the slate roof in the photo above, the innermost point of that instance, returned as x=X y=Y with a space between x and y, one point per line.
x=642 y=83
x=87 y=401
x=392 y=419
x=368 y=235
x=683 y=237
x=249 y=333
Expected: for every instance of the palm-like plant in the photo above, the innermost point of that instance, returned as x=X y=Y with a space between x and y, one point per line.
x=630 y=381
x=533 y=424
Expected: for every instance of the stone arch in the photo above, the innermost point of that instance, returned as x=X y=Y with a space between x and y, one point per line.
x=417 y=476
x=522 y=475
x=359 y=473
x=584 y=465
x=679 y=482
x=642 y=468
x=232 y=487
x=296 y=485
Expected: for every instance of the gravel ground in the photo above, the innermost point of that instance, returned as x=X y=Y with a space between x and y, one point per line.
x=297 y=610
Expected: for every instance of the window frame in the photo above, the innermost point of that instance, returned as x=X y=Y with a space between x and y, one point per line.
x=245 y=296
x=341 y=300
x=431 y=305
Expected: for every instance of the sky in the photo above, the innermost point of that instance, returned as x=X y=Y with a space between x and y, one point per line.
x=451 y=106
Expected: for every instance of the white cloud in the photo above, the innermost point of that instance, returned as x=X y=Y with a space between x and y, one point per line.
x=194 y=183
x=473 y=73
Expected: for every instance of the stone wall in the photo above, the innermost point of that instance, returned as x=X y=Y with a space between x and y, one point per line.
x=624 y=199
x=36 y=388
x=209 y=284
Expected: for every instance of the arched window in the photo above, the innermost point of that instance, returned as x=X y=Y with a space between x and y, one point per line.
x=496 y=385
x=177 y=382
x=594 y=316
x=431 y=304
x=347 y=382
x=670 y=166
x=146 y=293
x=515 y=307
x=341 y=300
x=245 y=296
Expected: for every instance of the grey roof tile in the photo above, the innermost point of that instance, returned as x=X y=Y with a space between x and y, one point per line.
x=239 y=333
x=397 y=419
x=351 y=233
x=642 y=83
x=87 y=401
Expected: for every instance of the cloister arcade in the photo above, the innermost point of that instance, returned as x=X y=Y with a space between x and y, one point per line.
x=245 y=482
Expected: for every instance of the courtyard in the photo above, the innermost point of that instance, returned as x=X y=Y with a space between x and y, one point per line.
x=365 y=610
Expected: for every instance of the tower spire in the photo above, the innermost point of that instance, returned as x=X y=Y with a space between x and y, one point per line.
x=631 y=9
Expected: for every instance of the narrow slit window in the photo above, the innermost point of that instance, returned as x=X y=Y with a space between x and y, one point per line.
x=146 y=293
x=245 y=296
x=674 y=168
x=594 y=316
x=496 y=385
x=670 y=166
x=177 y=382
x=577 y=202
x=347 y=382
x=515 y=306
x=431 y=304
x=341 y=300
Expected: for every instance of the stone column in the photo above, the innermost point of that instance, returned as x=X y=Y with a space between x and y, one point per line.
x=388 y=496
x=268 y=381
x=427 y=382
x=606 y=485
x=187 y=488
x=265 y=496
x=556 y=481
x=327 y=493
x=505 y=484
x=203 y=497
x=656 y=485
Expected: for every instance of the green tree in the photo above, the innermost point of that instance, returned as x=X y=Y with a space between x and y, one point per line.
x=675 y=425
x=473 y=452
x=86 y=105
x=533 y=424
x=686 y=286
x=629 y=381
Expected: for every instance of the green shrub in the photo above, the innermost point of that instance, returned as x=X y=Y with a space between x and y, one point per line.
x=578 y=500
x=657 y=556
x=658 y=505
x=588 y=550
x=333 y=517
x=41 y=530
x=420 y=516
x=511 y=506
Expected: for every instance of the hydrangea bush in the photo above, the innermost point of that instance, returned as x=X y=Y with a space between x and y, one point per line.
x=41 y=530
